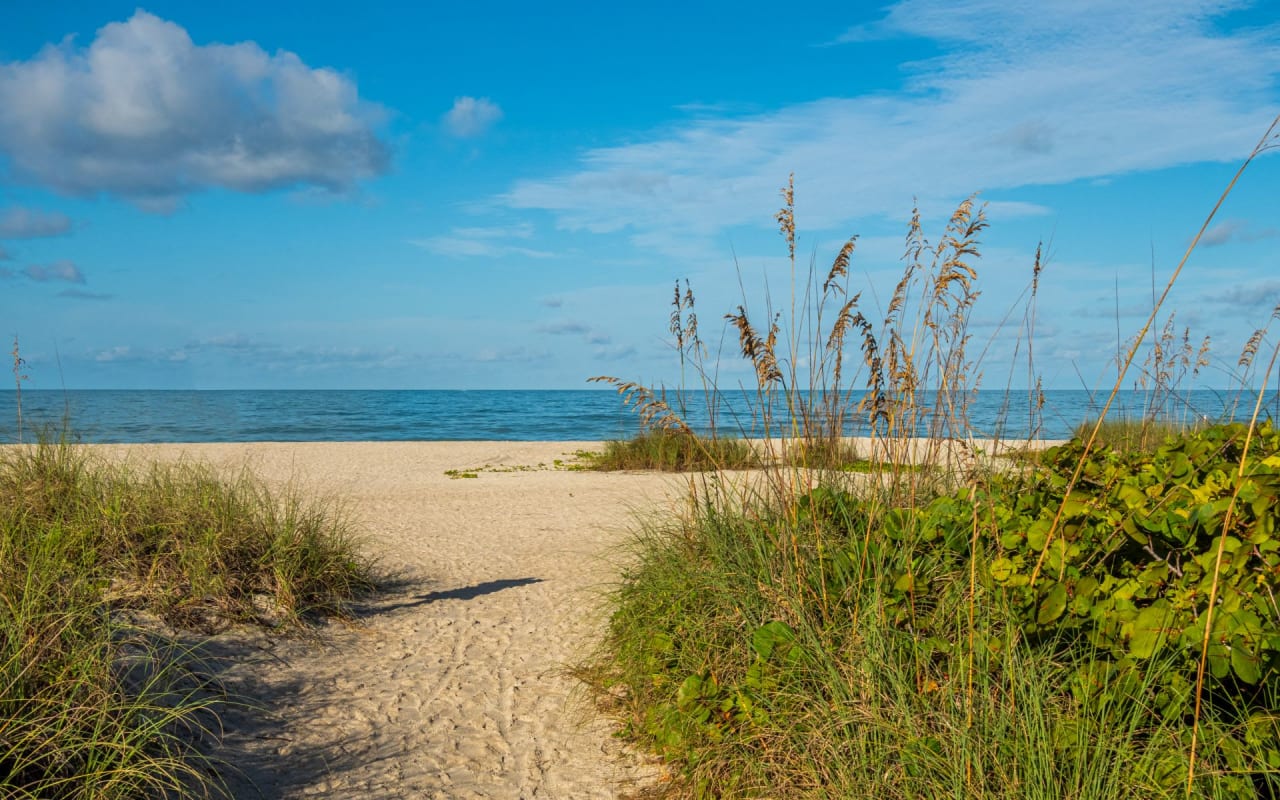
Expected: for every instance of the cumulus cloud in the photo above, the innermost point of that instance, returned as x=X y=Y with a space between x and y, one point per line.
x=63 y=270
x=471 y=116
x=146 y=114
x=23 y=223
x=1024 y=94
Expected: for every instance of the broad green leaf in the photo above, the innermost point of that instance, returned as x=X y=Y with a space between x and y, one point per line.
x=1244 y=663
x=1001 y=569
x=689 y=692
x=1150 y=630
x=771 y=636
x=1038 y=533
x=1054 y=604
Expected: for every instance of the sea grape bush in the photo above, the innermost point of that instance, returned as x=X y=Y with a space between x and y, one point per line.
x=1125 y=580
x=1124 y=585
x=1130 y=568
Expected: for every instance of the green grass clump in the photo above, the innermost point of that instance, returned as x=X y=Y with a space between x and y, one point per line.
x=672 y=451
x=1125 y=435
x=94 y=704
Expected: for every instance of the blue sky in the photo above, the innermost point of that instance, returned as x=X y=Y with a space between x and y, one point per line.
x=473 y=196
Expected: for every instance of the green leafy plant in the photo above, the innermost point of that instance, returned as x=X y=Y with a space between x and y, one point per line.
x=1127 y=584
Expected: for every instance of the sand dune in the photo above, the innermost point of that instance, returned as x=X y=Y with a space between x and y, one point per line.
x=451 y=686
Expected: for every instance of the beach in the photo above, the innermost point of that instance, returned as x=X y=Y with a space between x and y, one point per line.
x=453 y=684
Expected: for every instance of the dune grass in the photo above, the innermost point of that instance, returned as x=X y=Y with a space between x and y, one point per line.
x=672 y=451
x=942 y=633
x=678 y=451
x=1131 y=435
x=96 y=559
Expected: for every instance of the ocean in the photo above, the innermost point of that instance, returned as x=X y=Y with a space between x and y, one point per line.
x=101 y=416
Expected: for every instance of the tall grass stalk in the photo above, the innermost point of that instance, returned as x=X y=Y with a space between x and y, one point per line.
x=19 y=375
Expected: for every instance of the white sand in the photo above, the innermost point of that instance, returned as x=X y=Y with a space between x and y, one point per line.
x=454 y=685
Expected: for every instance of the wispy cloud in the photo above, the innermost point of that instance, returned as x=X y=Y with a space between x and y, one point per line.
x=1262 y=294
x=82 y=294
x=127 y=354
x=491 y=242
x=1013 y=103
x=570 y=327
x=514 y=354
x=564 y=328
x=17 y=222
x=1234 y=230
x=148 y=115
x=471 y=116
x=63 y=270
x=614 y=354
x=266 y=356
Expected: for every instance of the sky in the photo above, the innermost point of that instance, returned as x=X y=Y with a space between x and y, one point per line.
x=477 y=196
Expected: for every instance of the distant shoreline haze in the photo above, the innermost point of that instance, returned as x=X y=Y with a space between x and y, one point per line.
x=294 y=415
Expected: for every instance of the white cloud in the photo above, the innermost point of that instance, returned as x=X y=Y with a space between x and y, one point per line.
x=471 y=116
x=63 y=270
x=146 y=114
x=1031 y=94
x=17 y=222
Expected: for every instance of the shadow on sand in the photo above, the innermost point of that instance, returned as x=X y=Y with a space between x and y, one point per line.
x=252 y=671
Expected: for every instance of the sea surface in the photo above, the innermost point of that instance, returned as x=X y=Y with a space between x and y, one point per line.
x=100 y=416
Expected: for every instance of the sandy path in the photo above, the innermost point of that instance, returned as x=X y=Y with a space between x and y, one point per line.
x=453 y=686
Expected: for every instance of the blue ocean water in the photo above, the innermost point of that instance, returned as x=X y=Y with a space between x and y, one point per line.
x=94 y=416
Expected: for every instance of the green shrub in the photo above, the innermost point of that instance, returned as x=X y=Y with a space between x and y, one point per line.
x=1126 y=574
